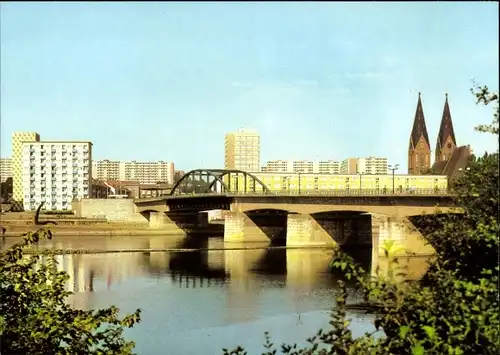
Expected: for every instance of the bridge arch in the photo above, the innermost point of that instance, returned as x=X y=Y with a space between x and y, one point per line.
x=205 y=181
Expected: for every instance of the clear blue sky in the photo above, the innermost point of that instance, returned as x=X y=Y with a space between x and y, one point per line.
x=166 y=81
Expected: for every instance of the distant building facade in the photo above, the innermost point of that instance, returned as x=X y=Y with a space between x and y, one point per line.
x=5 y=169
x=380 y=183
x=242 y=150
x=142 y=172
x=302 y=166
x=367 y=165
x=18 y=138
x=55 y=172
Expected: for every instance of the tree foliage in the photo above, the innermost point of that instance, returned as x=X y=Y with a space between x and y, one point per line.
x=35 y=318
x=6 y=190
x=454 y=309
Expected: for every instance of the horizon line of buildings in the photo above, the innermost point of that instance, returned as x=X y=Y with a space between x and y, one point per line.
x=56 y=172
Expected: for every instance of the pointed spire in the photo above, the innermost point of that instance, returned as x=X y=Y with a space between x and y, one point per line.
x=419 y=127
x=446 y=128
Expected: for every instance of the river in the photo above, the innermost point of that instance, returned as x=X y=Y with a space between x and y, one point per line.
x=202 y=294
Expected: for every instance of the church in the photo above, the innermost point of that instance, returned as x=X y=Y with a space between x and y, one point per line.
x=449 y=159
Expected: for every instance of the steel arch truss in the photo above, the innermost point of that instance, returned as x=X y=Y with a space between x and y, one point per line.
x=219 y=181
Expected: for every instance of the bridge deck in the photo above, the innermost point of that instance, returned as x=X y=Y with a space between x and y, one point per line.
x=312 y=194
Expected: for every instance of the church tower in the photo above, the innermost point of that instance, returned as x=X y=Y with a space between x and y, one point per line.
x=446 y=142
x=419 y=150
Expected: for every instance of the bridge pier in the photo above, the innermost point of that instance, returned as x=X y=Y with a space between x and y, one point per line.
x=159 y=220
x=238 y=227
x=406 y=239
x=304 y=230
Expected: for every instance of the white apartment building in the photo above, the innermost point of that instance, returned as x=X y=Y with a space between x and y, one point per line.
x=55 y=172
x=372 y=165
x=5 y=169
x=327 y=167
x=147 y=172
x=242 y=150
x=302 y=166
x=368 y=165
x=106 y=170
x=142 y=172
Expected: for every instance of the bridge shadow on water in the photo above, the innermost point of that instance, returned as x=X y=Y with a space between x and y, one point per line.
x=200 y=266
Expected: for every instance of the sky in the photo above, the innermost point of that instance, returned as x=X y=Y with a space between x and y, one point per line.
x=166 y=81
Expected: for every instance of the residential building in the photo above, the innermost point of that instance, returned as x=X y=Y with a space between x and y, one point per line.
x=372 y=165
x=419 y=149
x=142 y=172
x=277 y=166
x=327 y=167
x=55 y=172
x=17 y=165
x=349 y=166
x=106 y=169
x=302 y=166
x=148 y=172
x=242 y=150
x=5 y=169
x=303 y=182
x=368 y=165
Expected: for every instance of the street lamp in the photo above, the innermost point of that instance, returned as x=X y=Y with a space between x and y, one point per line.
x=393 y=168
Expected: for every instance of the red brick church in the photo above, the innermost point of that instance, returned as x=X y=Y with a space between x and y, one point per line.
x=449 y=159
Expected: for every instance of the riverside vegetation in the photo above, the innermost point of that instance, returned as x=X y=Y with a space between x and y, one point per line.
x=452 y=310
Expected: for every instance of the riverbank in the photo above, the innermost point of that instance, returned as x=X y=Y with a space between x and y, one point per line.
x=104 y=229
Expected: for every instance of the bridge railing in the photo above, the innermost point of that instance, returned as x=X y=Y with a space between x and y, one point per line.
x=363 y=192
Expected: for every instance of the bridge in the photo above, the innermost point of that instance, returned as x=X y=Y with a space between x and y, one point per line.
x=304 y=217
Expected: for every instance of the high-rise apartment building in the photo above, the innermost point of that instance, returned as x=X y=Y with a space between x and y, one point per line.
x=372 y=165
x=106 y=170
x=368 y=165
x=17 y=169
x=327 y=167
x=242 y=150
x=142 y=172
x=302 y=166
x=5 y=169
x=55 y=172
x=349 y=166
x=148 y=172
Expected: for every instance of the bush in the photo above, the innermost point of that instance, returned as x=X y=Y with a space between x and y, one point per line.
x=454 y=310
x=35 y=317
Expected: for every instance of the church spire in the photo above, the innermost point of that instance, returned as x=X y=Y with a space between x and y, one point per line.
x=446 y=142
x=419 y=148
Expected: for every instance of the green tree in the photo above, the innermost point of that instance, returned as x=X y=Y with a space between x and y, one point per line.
x=6 y=189
x=35 y=318
x=454 y=309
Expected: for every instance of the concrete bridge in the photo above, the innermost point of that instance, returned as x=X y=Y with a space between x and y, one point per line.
x=304 y=220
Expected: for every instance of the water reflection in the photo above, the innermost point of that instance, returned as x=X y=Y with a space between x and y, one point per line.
x=198 y=301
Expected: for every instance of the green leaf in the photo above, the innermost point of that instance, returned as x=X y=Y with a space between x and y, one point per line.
x=417 y=350
x=403 y=330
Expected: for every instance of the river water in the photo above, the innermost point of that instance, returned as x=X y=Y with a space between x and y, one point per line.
x=203 y=295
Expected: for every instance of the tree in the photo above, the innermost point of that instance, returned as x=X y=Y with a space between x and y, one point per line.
x=35 y=317
x=454 y=309
x=6 y=189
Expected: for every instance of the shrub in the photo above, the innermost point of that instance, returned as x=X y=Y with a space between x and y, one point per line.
x=35 y=318
x=454 y=310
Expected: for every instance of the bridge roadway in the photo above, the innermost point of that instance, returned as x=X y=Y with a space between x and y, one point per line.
x=295 y=203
